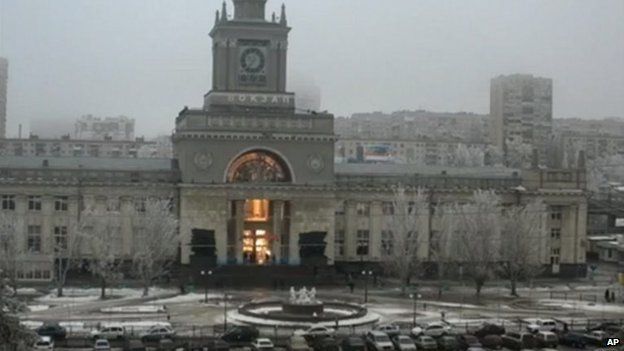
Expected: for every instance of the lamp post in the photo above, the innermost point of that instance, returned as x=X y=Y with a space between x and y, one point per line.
x=206 y=274
x=224 y=310
x=366 y=274
x=414 y=298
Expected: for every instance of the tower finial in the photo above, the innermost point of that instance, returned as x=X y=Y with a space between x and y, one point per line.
x=224 y=15
x=216 y=17
x=283 y=20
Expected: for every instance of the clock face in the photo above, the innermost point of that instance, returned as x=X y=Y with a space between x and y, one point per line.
x=252 y=60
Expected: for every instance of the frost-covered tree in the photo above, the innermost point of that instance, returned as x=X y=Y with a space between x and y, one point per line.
x=66 y=255
x=476 y=238
x=12 y=250
x=13 y=335
x=523 y=230
x=518 y=154
x=493 y=156
x=155 y=241
x=603 y=170
x=403 y=218
x=443 y=250
x=465 y=156
x=101 y=234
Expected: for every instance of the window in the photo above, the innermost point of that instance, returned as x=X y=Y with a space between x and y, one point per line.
x=340 y=208
x=555 y=233
x=8 y=202
x=362 y=242
x=60 y=238
x=34 y=203
x=34 y=238
x=555 y=251
x=112 y=204
x=387 y=208
x=339 y=241
x=555 y=212
x=60 y=203
x=139 y=204
x=362 y=209
x=387 y=241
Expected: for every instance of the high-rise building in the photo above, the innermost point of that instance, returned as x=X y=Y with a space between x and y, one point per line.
x=521 y=112
x=4 y=77
x=96 y=128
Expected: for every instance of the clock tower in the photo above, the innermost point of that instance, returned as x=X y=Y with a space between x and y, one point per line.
x=249 y=55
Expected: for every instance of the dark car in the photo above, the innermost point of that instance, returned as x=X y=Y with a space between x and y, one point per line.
x=519 y=341
x=134 y=345
x=464 y=341
x=353 y=343
x=54 y=331
x=489 y=329
x=240 y=334
x=576 y=340
x=492 y=342
x=326 y=344
x=217 y=345
x=447 y=343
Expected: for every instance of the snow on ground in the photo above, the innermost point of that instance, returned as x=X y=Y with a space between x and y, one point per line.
x=582 y=305
x=135 y=309
x=449 y=304
x=83 y=328
x=191 y=297
x=74 y=296
x=370 y=318
x=38 y=308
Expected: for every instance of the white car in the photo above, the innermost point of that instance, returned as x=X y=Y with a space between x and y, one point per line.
x=157 y=333
x=262 y=344
x=109 y=332
x=390 y=329
x=101 y=345
x=378 y=341
x=318 y=330
x=417 y=330
x=436 y=329
x=44 y=343
x=542 y=325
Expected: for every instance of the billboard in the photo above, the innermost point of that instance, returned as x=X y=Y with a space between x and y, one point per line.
x=376 y=153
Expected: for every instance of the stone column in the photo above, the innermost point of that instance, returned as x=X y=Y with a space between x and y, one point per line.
x=350 y=231
x=239 y=228
x=295 y=229
x=278 y=215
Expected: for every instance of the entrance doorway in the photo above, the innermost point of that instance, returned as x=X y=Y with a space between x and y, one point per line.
x=256 y=247
x=257 y=243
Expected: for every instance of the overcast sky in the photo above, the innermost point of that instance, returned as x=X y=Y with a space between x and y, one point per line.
x=148 y=58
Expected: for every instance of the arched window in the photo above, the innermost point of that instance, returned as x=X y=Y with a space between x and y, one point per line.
x=258 y=167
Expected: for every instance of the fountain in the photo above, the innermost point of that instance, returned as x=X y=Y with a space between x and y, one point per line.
x=301 y=309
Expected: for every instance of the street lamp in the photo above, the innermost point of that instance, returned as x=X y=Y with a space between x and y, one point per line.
x=414 y=298
x=204 y=274
x=366 y=274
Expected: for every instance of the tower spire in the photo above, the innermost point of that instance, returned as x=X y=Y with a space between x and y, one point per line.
x=224 y=15
x=283 y=20
x=217 y=17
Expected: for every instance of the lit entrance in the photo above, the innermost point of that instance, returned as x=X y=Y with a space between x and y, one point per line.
x=257 y=241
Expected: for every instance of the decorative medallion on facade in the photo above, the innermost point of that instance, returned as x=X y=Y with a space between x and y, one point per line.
x=203 y=160
x=316 y=163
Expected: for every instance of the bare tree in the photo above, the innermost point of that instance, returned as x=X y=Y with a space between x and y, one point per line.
x=155 y=241
x=400 y=254
x=12 y=250
x=13 y=335
x=523 y=229
x=100 y=233
x=476 y=239
x=66 y=254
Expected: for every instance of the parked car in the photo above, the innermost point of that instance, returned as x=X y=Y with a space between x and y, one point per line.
x=609 y=327
x=425 y=342
x=489 y=329
x=519 y=341
x=391 y=330
x=476 y=348
x=316 y=331
x=436 y=329
x=54 y=331
x=101 y=345
x=542 y=325
x=403 y=343
x=417 y=330
x=109 y=332
x=44 y=343
x=353 y=343
x=262 y=344
x=326 y=343
x=465 y=341
x=219 y=345
x=491 y=342
x=546 y=339
x=447 y=343
x=595 y=337
x=298 y=343
x=574 y=339
x=166 y=345
x=240 y=334
x=378 y=341
x=134 y=345
x=158 y=332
